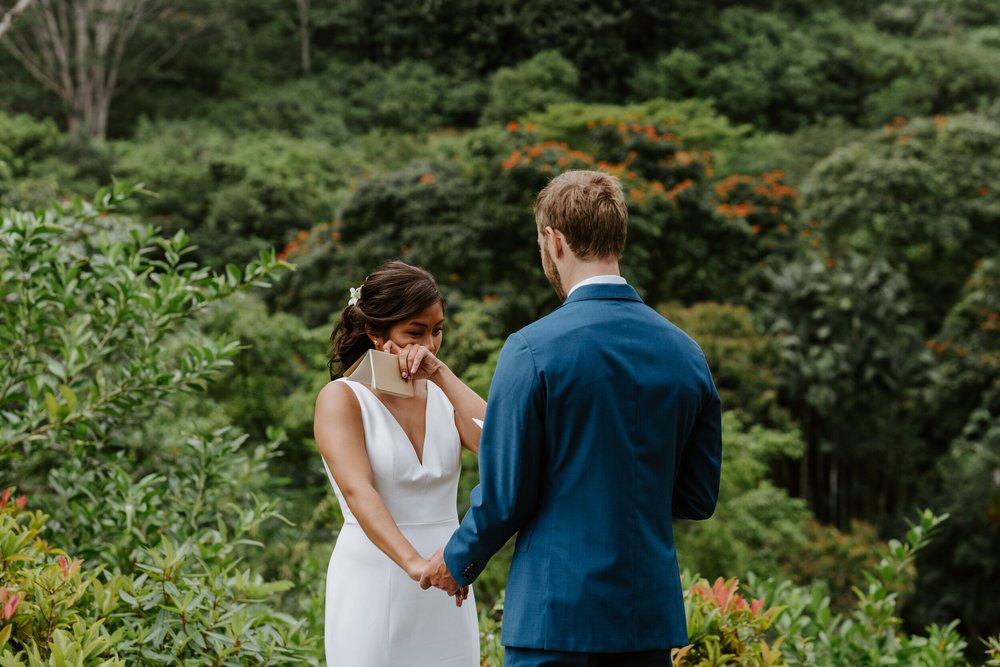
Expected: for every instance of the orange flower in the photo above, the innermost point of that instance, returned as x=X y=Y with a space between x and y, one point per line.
x=335 y=236
x=679 y=188
x=404 y=249
x=512 y=126
x=512 y=161
x=939 y=120
x=898 y=122
x=427 y=179
x=831 y=262
x=783 y=228
x=755 y=229
x=302 y=235
x=983 y=191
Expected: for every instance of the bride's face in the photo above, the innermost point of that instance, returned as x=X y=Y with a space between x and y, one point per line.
x=425 y=328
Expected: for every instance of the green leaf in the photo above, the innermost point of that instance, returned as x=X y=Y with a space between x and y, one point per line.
x=53 y=407
x=233 y=274
x=70 y=397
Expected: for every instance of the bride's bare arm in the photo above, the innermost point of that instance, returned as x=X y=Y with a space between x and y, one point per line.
x=341 y=440
x=468 y=406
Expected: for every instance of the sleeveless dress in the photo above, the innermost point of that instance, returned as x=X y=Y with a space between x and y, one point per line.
x=376 y=616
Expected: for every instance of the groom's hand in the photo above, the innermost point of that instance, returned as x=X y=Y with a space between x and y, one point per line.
x=436 y=574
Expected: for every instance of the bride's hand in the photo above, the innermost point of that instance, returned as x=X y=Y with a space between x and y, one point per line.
x=415 y=568
x=416 y=362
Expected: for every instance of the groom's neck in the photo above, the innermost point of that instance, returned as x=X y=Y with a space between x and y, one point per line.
x=579 y=271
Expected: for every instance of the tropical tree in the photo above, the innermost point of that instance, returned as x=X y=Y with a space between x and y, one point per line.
x=86 y=51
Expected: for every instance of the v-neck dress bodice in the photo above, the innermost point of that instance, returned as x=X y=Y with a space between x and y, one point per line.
x=375 y=614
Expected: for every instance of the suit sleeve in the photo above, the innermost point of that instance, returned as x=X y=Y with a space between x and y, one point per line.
x=510 y=454
x=696 y=488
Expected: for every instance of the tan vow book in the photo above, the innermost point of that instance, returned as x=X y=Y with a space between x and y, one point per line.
x=380 y=371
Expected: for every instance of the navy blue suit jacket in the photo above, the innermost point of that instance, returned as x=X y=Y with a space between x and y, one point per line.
x=602 y=426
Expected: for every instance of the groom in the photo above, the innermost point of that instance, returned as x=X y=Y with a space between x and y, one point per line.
x=602 y=426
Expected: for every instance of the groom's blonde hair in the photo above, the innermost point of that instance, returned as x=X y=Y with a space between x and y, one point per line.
x=589 y=208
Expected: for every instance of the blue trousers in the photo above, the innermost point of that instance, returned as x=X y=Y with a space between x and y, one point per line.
x=532 y=657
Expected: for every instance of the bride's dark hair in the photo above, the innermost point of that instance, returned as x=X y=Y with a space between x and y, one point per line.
x=394 y=292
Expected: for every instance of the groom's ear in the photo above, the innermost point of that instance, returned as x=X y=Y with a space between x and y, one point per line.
x=558 y=241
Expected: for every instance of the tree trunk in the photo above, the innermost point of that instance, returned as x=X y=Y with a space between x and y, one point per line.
x=76 y=49
x=8 y=19
x=304 y=35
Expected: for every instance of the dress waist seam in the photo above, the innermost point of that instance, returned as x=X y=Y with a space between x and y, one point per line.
x=354 y=522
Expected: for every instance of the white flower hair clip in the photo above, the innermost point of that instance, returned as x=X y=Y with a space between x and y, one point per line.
x=355 y=296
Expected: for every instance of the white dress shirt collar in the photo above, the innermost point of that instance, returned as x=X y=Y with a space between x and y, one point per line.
x=598 y=280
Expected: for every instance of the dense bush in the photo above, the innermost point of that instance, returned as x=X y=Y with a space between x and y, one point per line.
x=920 y=194
x=545 y=79
x=97 y=341
x=966 y=400
x=236 y=197
x=833 y=317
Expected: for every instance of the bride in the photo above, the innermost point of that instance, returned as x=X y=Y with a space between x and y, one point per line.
x=394 y=464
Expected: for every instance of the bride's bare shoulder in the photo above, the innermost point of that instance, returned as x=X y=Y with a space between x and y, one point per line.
x=338 y=398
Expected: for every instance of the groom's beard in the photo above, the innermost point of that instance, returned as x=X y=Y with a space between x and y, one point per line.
x=552 y=273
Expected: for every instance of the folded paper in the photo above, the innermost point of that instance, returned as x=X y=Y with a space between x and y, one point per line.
x=380 y=371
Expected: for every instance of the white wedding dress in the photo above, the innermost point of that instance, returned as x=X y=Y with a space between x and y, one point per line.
x=376 y=616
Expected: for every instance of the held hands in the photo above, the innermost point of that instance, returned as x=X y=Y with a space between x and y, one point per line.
x=416 y=362
x=436 y=574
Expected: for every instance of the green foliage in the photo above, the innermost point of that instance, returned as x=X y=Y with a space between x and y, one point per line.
x=967 y=353
x=50 y=608
x=466 y=215
x=545 y=79
x=98 y=344
x=697 y=121
x=921 y=195
x=869 y=633
x=834 y=317
x=303 y=108
x=23 y=142
x=237 y=197
x=724 y=627
x=87 y=308
x=966 y=400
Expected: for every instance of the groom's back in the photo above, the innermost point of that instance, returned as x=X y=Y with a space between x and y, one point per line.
x=626 y=396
